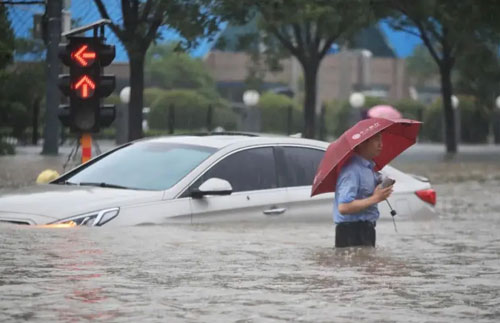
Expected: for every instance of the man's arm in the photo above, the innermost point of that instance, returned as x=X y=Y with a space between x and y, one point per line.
x=356 y=206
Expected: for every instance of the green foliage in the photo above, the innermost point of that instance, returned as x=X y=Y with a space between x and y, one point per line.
x=16 y=102
x=151 y=94
x=6 y=39
x=337 y=116
x=274 y=110
x=304 y=29
x=411 y=109
x=478 y=74
x=432 y=128
x=421 y=66
x=191 y=110
x=167 y=69
x=6 y=149
x=473 y=124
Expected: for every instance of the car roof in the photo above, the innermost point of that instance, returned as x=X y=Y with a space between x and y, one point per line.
x=225 y=140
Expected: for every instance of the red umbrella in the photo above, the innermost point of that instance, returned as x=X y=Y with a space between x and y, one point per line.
x=397 y=136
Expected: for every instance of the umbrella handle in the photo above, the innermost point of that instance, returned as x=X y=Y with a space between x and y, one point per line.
x=393 y=213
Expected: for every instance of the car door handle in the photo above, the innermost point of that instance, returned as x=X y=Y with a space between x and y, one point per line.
x=275 y=211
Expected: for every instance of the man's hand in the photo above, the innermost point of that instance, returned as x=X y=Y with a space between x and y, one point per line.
x=381 y=194
x=356 y=206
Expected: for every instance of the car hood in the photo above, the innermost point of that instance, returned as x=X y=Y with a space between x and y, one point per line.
x=61 y=201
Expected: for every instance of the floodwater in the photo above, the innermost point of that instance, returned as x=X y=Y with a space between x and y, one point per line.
x=441 y=270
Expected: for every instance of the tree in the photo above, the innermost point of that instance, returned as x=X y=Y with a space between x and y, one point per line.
x=478 y=74
x=307 y=29
x=421 y=67
x=140 y=27
x=168 y=69
x=446 y=28
x=7 y=39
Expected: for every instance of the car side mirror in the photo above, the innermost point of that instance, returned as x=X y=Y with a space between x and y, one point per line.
x=212 y=186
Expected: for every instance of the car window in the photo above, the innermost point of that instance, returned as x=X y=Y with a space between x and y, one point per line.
x=300 y=165
x=247 y=170
x=144 y=165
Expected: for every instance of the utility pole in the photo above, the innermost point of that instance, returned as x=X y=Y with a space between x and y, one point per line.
x=51 y=131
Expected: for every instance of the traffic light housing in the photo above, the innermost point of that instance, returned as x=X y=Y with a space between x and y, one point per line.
x=85 y=85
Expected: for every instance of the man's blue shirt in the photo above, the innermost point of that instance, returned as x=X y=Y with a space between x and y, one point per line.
x=357 y=180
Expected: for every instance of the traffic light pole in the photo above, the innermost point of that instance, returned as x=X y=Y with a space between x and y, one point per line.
x=86 y=143
x=86 y=85
x=51 y=130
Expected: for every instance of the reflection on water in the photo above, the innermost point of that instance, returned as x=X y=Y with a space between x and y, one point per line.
x=430 y=271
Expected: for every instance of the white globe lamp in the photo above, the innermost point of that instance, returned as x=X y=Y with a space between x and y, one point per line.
x=251 y=98
x=455 y=102
x=125 y=95
x=357 y=100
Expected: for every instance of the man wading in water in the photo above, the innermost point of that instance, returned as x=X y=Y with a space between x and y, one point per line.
x=357 y=195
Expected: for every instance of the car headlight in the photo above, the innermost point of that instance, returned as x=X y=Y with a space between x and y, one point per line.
x=93 y=219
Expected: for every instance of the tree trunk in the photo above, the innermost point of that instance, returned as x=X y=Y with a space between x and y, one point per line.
x=136 y=98
x=310 y=83
x=449 y=113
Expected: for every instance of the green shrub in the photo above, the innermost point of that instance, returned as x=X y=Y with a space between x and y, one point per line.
x=474 y=125
x=432 y=127
x=191 y=110
x=410 y=109
x=151 y=94
x=6 y=149
x=274 y=109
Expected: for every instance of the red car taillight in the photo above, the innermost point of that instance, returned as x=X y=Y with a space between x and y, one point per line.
x=428 y=196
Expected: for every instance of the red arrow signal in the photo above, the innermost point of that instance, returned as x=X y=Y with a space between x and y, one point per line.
x=84 y=57
x=85 y=87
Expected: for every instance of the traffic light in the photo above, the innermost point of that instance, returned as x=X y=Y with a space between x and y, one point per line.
x=85 y=85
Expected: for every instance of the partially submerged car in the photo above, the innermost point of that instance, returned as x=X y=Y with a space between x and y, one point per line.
x=198 y=179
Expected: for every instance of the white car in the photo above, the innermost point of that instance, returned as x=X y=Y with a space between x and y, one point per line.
x=198 y=179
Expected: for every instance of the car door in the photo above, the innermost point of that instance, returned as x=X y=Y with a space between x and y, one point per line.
x=297 y=166
x=256 y=195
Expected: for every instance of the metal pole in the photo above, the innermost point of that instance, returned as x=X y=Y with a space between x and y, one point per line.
x=171 y=119
x=51 y=131
x=289 y=120
x=209 y=117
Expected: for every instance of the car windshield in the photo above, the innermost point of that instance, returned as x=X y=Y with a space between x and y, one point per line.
x=144 y=166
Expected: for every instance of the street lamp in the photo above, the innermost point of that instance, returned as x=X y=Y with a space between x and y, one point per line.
x=357 y=100
x=455 y=102
x=125 y=95
x=251 y=115
x=251 y=98
x=497 y=102
x=122 y=116
x=493 y=118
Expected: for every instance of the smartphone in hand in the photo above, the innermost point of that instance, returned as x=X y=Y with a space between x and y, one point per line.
x=388 y=182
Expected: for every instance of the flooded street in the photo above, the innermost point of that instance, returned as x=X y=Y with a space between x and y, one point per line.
x=441 y=270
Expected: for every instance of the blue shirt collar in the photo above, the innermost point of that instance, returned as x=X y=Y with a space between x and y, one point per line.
x=365 y=162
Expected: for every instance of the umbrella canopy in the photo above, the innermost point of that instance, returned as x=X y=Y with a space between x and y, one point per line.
x=397 y=136
x=384 y=111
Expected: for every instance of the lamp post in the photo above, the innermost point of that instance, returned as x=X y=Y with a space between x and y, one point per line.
x=493 y=120
x=455 y=102
x=251 y=117
x=122 y=116
x=357 y=101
